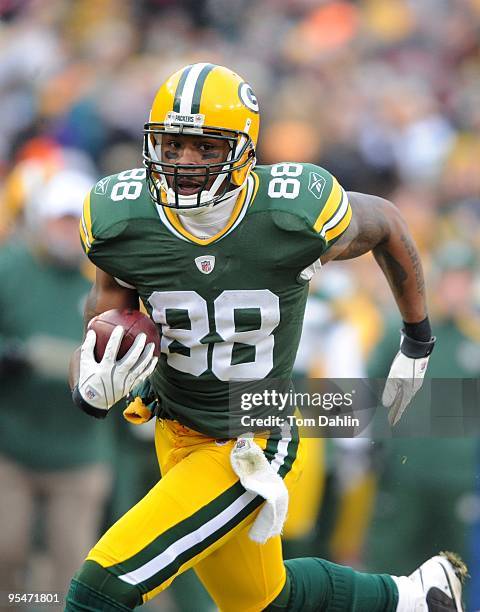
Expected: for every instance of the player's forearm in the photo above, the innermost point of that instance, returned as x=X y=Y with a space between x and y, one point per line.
x=89 y=312
x=74 y=369
x=399 y=260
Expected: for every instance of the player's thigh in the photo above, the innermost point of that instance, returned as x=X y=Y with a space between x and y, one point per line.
x=243 y=576
x=195 y=508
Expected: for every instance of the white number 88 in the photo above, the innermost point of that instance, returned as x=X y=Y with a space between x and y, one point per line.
x=289 y=187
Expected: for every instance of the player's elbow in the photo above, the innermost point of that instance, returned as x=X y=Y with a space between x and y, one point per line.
x=393 y=221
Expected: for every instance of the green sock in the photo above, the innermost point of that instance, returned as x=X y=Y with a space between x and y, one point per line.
x=316 y=585
x=81 y=598
x=94 y=588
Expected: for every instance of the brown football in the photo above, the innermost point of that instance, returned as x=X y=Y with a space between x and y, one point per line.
x=133 y=321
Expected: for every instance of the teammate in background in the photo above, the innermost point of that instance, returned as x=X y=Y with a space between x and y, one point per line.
x=221 y=255
x=445 y=491
x=50 y=459
x=330 y=513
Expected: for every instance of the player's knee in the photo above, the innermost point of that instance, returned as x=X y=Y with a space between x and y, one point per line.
x=95 y=588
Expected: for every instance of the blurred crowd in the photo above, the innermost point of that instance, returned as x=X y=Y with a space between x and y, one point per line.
x=383 y=93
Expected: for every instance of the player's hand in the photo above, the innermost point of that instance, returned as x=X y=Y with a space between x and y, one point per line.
x=103 y=384
x=141 y=403
x=406 y=375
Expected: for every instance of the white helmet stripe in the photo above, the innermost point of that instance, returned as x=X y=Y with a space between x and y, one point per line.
x=189 y=88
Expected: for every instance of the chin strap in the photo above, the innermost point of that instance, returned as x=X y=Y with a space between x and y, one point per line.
x=230 y=197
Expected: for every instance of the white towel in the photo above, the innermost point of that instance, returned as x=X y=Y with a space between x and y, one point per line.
x=259 y=477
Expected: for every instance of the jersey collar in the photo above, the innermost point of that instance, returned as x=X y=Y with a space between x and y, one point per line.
x=245 y=199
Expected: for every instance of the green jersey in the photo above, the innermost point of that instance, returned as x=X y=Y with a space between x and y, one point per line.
x=228 y=307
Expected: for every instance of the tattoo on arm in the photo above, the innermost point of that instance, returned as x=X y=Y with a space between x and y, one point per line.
x=416 y=264
x=368 y=228
x=393 y=270
x=377 y=226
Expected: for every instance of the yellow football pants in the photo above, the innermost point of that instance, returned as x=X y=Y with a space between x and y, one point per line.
x=198 y=515
x=304 y=506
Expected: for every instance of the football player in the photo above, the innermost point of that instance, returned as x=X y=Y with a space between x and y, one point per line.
x=220 y=252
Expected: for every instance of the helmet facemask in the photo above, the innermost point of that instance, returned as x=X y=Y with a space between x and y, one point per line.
x=163 y=177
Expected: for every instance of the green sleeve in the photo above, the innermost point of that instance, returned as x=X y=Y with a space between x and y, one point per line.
x=310 y=198
x=110 y=206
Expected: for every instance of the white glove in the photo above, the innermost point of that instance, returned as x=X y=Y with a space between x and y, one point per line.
x=406 y=375
x=102 y=384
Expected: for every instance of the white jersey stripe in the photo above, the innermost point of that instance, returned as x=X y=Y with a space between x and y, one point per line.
x=84 y=225
x=123 y=283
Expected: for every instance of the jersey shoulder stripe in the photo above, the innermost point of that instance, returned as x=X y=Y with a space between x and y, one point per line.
x=86 y=225
x=330 y=205
x=335 y=222
x=335 y=210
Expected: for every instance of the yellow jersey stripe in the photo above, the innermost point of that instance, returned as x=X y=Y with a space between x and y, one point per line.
x=331 y=205
x=255 y=187
x=341 y=226
x=82 y=236
x=175 y=221
x=86 y=224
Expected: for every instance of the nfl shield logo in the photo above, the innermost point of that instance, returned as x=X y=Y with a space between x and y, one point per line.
x=241 y=443
x=205 y=263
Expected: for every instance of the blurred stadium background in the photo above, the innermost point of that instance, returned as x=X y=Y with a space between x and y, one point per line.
x=386 y=95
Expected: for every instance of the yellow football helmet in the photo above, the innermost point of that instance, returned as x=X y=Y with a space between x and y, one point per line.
x=213 y=101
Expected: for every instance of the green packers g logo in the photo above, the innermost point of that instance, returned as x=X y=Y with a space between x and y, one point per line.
x=247 y=97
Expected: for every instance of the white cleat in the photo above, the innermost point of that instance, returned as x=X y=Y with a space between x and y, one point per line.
x=441 y=579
